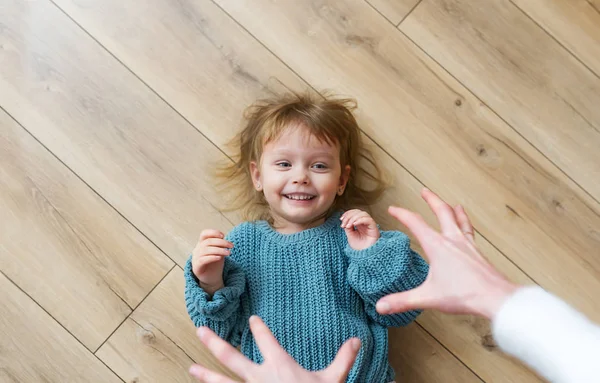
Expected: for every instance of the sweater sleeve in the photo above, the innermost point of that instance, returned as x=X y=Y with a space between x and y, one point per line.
x=548 y=335
x=389 y=266
x=223 y=311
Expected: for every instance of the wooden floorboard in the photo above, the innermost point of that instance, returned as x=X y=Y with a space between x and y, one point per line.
x=181 y=22
x=157 y=343
x=64 y=246
x=574 y=23
x=108 y=127
x=394 y=10
x=118 y=110
x=523 y=74
x=35 y=348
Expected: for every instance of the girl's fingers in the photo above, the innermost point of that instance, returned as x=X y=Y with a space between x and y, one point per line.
x=207 y=260
x=218 y=242
x=212 y=250
x=210 y=233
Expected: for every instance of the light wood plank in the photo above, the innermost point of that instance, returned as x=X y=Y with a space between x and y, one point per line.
x=34 y=348
x=522 y=74
x=66 y=247
x=206 y=66
x=107 y=126
x=394 y=10
x=575 y=23
x=158 y=342
x=159 y=72
x=179 y=24
x=443 y=135
x=429 y=364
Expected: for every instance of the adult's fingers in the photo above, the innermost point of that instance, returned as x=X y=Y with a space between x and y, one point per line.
x=266 y=342
x=416 y=224
x=340 y=367
x=443 y=212
x=210 y=233
x=226 y=353
x=417 y=298
x=208 y=376
x=464 y=223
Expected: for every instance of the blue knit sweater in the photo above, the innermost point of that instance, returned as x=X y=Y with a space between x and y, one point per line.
x=313 y=291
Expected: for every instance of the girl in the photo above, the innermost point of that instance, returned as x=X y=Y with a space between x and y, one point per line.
x=310 y=272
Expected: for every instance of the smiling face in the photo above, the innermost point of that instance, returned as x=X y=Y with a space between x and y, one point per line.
x=300 y=177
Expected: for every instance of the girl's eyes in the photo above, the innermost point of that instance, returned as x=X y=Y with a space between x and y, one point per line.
x=285 y=164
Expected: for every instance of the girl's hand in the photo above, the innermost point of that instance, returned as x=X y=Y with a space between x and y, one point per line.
x=208 y=260
x=361 y=229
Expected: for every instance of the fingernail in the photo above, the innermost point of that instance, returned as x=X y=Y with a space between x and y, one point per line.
x=383 y=307
x=201 y=332
x=355 y=343
x=253 y=318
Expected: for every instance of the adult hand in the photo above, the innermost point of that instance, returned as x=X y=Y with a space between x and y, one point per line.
x=278 y=366
x=460 y=280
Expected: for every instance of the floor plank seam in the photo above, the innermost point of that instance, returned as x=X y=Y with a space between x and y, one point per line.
x=166 y=336
x=449 y=351
x=556 y=39
x=152 y=91
x=46 y=311
x=76 y=235
x=86 y=184
x=408 y=14
x=377 y=10
x=476 y=96
x=135 y=308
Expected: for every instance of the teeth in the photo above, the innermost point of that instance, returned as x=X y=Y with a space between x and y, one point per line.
x=299 y=197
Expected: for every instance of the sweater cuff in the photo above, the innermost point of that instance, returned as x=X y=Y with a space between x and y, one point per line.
x=224 y=301
x=389 y=266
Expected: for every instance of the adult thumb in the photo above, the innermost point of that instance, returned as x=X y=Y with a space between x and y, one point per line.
x=405 y=301
x=340 y=367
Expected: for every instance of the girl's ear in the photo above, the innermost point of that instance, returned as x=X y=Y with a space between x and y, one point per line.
x=255 y=174
x=344 y=180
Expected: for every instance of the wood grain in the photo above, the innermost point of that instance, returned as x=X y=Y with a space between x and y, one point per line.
x=575 y=23
x=139 y=56
x=192 y=54
x=60 y=240
x=429 y=364
x=394 y=10
x=108 y=127
x=177 y=24
x=520 y=72
x=158 y=342
x=35 y=348
x=444 y=136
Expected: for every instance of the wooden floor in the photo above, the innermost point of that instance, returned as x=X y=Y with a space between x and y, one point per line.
x=113 y=111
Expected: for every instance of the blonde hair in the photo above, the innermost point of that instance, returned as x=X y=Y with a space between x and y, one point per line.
x=328 y=119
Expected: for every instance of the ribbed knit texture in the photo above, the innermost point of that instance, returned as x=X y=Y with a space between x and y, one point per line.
x=313 y=291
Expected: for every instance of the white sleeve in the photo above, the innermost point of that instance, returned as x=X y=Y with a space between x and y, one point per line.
x=545 y=333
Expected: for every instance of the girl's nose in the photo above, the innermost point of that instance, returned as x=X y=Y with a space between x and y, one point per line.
x=301 y=178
